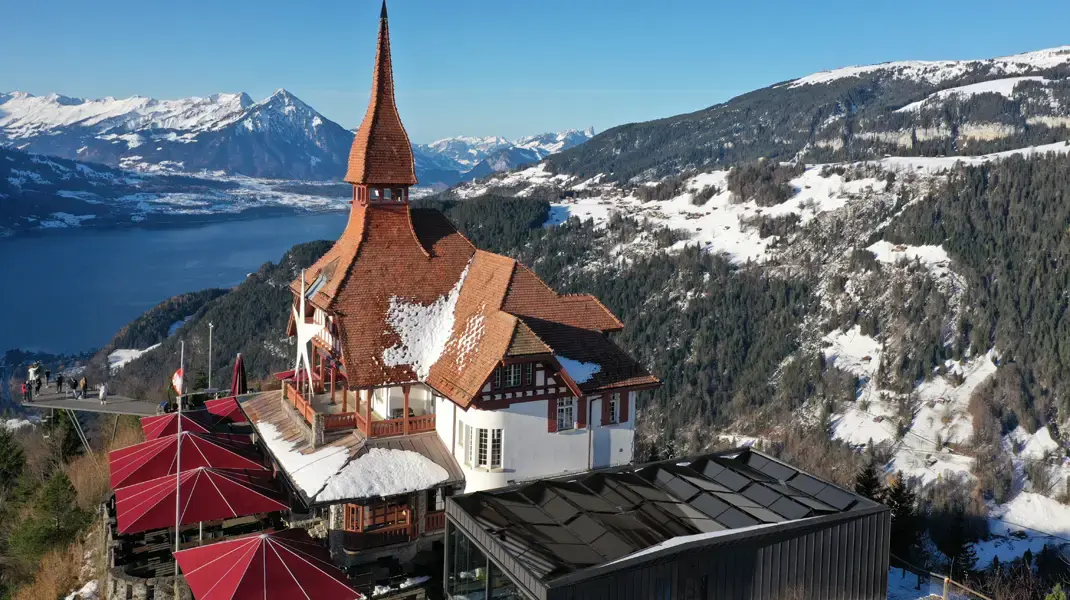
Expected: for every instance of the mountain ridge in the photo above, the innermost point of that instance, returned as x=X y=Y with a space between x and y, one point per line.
x=279 y=137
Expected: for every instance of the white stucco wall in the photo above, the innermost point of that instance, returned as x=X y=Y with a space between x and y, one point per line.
x=529 y=451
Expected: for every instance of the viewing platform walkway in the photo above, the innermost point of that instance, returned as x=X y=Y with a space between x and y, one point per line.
x=117 y=405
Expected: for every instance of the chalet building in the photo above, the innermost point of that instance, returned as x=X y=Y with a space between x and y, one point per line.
x=736 y=525
x=427 y=367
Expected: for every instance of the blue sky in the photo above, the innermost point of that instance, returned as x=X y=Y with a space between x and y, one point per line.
x=501 y=67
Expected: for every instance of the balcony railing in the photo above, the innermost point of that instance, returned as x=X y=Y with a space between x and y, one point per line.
x=334 y=422
x=387 y=536
x=434 y=521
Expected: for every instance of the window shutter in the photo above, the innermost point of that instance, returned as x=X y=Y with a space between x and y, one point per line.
x=551 y=415
x=605 y=409
x=623 y=407
x=581 y=412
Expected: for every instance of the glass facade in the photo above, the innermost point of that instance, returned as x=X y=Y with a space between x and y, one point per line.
x=470 y=576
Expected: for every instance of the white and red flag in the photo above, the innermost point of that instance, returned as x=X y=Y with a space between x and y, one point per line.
x=177 y=382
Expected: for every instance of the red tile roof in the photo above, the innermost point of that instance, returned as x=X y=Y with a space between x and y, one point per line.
x=381 y=153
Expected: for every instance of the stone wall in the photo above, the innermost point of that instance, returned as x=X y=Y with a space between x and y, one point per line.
x=121 y=586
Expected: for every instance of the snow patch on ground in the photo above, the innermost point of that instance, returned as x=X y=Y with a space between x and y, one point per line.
x=121 y=357
x=1036 y=446
x=580 y=372
x=312 y=471
x=424 y=331
x=17 y=424
x=1003 y=87
x=935 y=258
x=383 y=472
x=89 y=591
x=61 y=220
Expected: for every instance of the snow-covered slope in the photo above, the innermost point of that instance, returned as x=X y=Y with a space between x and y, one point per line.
x=939 y=71
x=279 y=137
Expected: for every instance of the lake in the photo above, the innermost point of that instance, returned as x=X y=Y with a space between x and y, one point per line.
x=71 y=290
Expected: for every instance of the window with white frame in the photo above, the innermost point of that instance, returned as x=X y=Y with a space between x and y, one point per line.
x=529 y=373
x=512 y=375
x=614 y=402
x=495 y=448
x=482 y=447
x=497 y=378
x=566 y=413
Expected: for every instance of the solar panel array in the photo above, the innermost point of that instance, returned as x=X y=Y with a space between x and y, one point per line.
x=558 y=526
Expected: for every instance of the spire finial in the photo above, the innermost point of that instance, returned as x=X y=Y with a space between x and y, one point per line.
x=382 y=13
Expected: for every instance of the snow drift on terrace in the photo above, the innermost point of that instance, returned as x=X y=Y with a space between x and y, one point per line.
x=424 y=330
x=311 y=471
x=121 y=357
x=383 y=472
x=1003 y=87
x=938 y=71
x=580 y=372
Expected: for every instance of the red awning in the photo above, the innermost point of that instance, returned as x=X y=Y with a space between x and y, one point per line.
x=161 y=425
x=156 y=458
x=226 y=408
x=206 y=495
x=267 y=566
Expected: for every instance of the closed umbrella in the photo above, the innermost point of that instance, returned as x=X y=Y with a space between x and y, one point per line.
x=156 y=458
x=206 y=495
x=267 y=566
x=238 y=383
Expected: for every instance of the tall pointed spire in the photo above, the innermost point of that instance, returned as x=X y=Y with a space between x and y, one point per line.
x=381 y=153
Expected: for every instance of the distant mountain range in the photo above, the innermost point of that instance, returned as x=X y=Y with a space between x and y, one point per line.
x=279 y=137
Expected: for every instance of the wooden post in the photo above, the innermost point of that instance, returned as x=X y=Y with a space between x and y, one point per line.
x=366 y=397
x=945 y=588
x=405 y=410
x=333 y=369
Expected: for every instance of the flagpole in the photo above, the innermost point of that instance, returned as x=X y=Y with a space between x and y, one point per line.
x=178 y=455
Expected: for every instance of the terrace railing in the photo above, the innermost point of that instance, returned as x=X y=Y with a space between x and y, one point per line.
x=333 y=422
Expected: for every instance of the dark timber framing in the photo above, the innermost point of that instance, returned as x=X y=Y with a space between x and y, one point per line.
x=840 y=551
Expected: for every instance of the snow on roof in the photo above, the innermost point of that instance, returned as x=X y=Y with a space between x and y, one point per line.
x=383 y=472
x=580 y=372
x=310 y=472
x=424 y=330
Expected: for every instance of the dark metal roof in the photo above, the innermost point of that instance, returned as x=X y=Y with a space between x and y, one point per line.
x=557 y=527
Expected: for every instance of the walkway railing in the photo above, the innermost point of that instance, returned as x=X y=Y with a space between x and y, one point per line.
x=298 y=402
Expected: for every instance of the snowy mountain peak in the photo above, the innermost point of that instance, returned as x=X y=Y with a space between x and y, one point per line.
x=939 y=71
x=467 y=152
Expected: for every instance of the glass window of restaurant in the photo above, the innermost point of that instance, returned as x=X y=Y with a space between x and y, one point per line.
x=471 y=576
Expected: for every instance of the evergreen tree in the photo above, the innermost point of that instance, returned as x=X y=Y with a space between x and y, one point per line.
x=868 y=483
x=906 y=531
x=54 y=519
x=12 y=460
x=955 y=543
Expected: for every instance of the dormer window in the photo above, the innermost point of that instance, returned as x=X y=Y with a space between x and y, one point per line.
x=387 y=194
x=512 y=375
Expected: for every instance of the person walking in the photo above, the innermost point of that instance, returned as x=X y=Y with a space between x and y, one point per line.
x=25 y=392
x=59 y=383
x=103 y=393
x=48 y=374
x=83 y=388
x=37 y=387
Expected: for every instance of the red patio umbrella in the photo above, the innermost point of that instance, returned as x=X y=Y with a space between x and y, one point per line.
x=226 y=408
x=156 y=458
x=238 y=383
x=206 y=495
x=267 y=566
x=161 y=425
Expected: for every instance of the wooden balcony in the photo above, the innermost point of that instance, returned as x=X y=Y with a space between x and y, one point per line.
x=434 y=521
x=356 y=541
x=335 y=420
